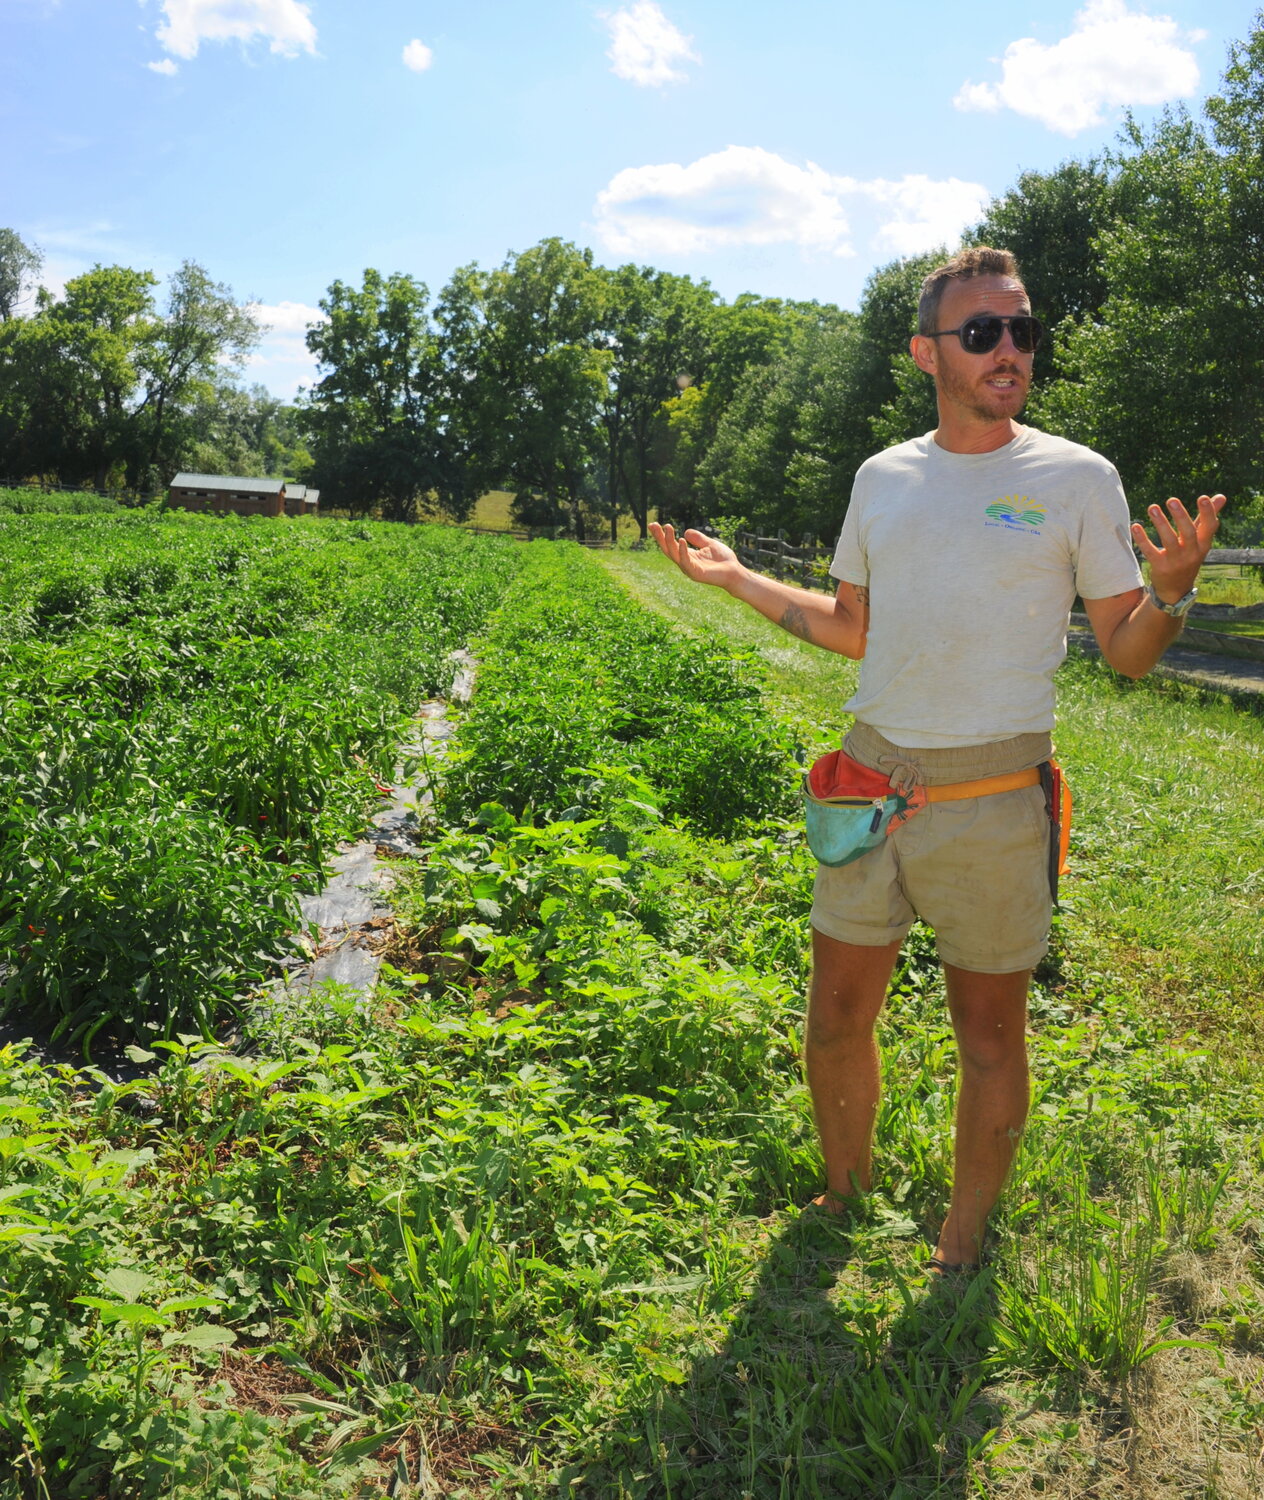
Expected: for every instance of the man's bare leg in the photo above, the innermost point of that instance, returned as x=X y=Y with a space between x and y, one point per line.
x=840 y=1053
x=989 y=1015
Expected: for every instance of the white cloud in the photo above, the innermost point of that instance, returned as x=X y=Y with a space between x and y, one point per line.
x=645 y=47
x=84 y=243
x=282 y=361
x=742 y=195
x=165 y=67
x=1113 y=58
x=417 y=56
x=285 y=24
x=745 y=196
x=286 y=318
x=919 y=214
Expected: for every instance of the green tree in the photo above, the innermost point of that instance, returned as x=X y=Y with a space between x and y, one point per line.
x=887 y=398
x=525 y=351
x=1052 y=222
x=71 y=378
x=238 y=431
x=829 y=449
x=98 y=385
x=777 y=457
x=20 y=264
x=683 y=436
x=740 y=339
x=378 y=418
x=655 y=325
x=1170 y=385
x=203 y=331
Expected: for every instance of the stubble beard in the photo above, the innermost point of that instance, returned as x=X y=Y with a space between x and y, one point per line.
x=972 y=397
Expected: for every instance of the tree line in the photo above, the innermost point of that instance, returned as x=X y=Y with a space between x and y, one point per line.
x=594 y=393
x=104 y=386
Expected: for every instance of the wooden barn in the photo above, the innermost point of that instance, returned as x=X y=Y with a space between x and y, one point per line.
x=228 y=492
x=300 y=501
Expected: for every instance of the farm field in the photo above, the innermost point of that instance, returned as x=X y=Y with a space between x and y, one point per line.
x=528 y=1224
x=193 y=714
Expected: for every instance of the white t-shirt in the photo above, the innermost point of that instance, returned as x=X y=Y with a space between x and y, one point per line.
x=972 y=561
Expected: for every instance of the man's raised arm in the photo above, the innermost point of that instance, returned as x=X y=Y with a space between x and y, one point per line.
x=1131 y=631
x=839 y=624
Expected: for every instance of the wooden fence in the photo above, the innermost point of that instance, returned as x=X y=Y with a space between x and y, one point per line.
x=807 y=564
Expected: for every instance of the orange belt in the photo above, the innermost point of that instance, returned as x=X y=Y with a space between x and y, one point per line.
x=1011 y=782
x=986 y=786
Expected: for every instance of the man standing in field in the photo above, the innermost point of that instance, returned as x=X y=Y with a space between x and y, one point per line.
x=960 y=558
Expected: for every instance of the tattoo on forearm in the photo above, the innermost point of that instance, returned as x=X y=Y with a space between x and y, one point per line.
x=795 y=620
x=863 y=595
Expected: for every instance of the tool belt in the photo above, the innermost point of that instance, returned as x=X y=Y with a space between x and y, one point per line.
x=851 y=809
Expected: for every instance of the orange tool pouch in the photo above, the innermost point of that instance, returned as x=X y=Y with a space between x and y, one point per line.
x=1058 y=805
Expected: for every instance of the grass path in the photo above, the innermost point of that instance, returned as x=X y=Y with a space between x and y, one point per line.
x=1167 y=868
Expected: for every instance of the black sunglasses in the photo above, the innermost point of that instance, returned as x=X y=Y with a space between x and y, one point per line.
x=980 y=335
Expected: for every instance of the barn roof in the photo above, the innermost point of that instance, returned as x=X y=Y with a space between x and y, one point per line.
x=233 y=482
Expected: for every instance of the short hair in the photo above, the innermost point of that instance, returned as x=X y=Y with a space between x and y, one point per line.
x=976 y=260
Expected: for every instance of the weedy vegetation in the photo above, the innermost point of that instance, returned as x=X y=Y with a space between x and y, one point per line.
x=31 y=502
x=528 y=1221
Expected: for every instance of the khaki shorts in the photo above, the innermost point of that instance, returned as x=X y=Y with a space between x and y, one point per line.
x=977 y=871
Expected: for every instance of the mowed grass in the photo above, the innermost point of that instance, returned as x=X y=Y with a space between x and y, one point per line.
x=1166 y=883
x=1231 y=585
x=494 y=512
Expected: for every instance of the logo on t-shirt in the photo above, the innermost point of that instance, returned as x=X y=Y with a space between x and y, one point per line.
x=1015 y=513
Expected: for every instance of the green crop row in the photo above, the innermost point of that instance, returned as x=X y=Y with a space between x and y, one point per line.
x=192 y=714
x=577 y=675
x=301 y=1198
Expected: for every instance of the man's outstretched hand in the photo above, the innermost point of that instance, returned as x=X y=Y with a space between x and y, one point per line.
x=698 y=556
x=1184 y=543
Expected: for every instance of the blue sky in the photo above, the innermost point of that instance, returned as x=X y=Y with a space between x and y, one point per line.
x=786 y=151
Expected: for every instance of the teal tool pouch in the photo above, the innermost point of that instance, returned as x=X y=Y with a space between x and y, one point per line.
x=841 y=829
x=850 y=809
